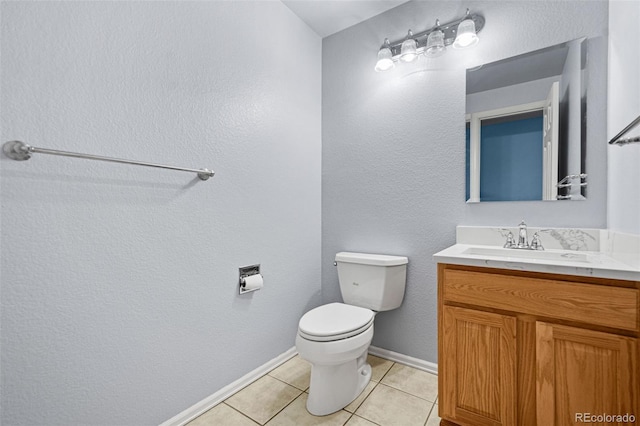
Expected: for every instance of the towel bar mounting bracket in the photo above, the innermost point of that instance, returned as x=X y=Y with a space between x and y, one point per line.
x=17 y=150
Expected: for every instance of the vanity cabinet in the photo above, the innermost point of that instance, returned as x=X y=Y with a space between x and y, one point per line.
x=479 y=369
x=522 y=348
x=583 y=371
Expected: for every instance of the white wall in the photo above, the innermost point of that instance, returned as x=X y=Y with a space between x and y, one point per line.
x=119 y=283
x=393 y=146
x=517 y=94
x=572 y=74
x=623 y=207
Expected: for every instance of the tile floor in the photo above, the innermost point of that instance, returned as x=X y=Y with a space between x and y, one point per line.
x=397 y=395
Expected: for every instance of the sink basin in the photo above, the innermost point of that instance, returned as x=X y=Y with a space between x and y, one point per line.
x=560 y=256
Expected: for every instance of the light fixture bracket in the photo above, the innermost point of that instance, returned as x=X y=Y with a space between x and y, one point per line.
x=449 y=29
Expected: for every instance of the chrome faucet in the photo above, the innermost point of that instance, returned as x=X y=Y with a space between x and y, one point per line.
x=523 y=240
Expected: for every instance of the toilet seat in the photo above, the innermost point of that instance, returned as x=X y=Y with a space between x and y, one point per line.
x=334 y=321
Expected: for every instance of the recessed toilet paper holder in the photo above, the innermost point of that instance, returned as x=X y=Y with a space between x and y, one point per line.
x=247 y=271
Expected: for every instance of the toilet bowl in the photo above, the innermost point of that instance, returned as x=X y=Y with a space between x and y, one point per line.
x=335 y=339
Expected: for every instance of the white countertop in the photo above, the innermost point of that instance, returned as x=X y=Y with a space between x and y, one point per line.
x=590 y=264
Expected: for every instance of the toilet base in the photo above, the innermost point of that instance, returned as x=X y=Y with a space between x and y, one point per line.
x=339 y=371
x=333 y=387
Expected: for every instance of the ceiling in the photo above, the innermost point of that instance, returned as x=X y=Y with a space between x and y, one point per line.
x=327 y=17
x=530 y=66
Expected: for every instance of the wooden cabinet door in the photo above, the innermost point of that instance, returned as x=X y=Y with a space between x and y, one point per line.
x=584 y=373
x=478 y=367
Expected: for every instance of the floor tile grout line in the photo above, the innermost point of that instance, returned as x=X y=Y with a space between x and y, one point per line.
x=408 y=393
x=287 y=383
x=429 y=415
x=243 y=414
x=268 y=420
x=364 y=418
x=365 y=398
x=401 y=390
x=283 y=408
x=387 y=372
x=348 y=418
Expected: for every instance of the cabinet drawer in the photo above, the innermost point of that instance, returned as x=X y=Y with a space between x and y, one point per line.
x=607 y=306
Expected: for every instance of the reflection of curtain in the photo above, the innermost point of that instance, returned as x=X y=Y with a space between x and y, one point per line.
x=511 y=160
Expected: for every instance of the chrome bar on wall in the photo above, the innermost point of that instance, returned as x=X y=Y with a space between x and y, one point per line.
x=20 y=151
x=617 y=139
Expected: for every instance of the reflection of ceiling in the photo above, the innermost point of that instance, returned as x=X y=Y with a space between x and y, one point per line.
x=326 y=17
x=519 y=69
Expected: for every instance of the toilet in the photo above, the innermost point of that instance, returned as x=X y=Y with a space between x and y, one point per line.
x=335 y=337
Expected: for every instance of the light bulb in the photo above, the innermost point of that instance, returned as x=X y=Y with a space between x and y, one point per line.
x=384 y=60
x=466 y=34
x=385 y=57
x=409 y=49
x=435 y=43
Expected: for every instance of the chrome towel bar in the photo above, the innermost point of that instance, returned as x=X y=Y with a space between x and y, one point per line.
x=617 y=139
x=20 y=151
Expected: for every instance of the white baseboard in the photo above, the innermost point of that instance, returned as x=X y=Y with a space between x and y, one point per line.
x=224 y=393
x=420 y=364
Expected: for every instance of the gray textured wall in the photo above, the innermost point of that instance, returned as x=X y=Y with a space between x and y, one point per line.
x=393 y=146
x=119 y=297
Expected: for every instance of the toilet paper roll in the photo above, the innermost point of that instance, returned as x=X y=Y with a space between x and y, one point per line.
x=253 y=282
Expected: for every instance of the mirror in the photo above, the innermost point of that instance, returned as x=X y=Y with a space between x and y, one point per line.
x=526 y=126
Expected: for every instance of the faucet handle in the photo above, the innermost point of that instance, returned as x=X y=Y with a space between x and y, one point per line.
x=511 y=243
x=536 y=244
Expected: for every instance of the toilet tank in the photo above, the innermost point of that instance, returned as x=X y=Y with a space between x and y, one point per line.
x=373 y=281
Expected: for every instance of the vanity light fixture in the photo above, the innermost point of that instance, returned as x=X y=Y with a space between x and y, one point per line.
x=460 y=33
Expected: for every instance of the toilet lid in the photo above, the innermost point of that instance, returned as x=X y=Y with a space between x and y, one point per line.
x=334 y=321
